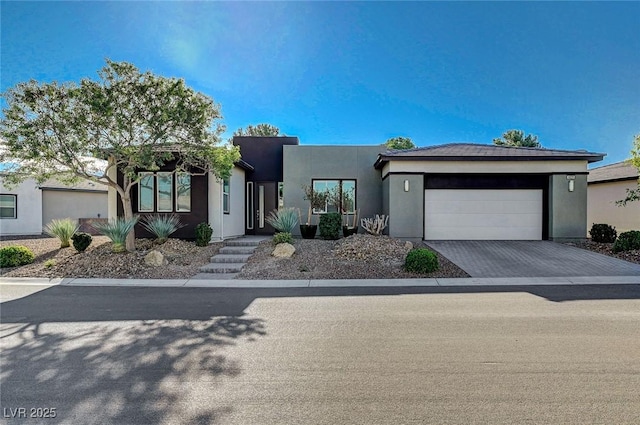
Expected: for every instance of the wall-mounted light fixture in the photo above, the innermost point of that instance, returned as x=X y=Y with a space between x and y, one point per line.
x=406 y=185
x=572 y=182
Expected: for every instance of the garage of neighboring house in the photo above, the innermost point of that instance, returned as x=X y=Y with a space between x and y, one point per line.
x=484 y=192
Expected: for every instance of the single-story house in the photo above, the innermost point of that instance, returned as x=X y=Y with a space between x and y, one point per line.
x=609 y=184
x=452 y=191
x=26 y=208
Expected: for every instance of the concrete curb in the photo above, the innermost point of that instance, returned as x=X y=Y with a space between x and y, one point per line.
x=325 y=283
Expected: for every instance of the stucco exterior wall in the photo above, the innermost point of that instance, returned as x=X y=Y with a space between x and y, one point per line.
x=567 y=210
x=406 y=209
x=234 y=221
x=57 y=204
x=482 y=167
x=29 y=209
x=602 y=208
x=232 y=224
x=304 y=163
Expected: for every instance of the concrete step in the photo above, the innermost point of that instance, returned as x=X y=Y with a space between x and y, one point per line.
x=221 y=268
x=235 y=250
x=242 y=242
x=230 y=258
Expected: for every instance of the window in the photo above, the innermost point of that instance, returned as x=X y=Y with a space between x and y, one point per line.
x=280 y=195
x=165 y=192
x=183 y=192
x=8 y=206
x=146 y=192
x=225 y=196
x=347 y=189
x=155 y=192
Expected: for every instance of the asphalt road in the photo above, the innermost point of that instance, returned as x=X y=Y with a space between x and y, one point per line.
x=536 y=355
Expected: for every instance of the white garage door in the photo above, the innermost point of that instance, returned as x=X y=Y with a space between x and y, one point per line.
x=472 y=214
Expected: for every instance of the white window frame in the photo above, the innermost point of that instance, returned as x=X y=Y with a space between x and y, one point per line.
x=158 y=175
x=177 y=181
x=15 y=206
x=153 y=180
x=226 y=184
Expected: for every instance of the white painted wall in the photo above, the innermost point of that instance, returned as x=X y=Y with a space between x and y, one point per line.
x=29 y=215
x=227 y=225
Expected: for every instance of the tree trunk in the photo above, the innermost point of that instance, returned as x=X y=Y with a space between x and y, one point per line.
x=128 y=215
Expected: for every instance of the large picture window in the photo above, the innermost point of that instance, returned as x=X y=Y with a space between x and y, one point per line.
x=345 y=188
x=8 y=206
x=155 y=192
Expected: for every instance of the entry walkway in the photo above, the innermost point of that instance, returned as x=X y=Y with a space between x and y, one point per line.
x=530 y=259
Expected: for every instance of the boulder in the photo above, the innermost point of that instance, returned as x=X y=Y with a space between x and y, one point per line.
x=283 y=250
x=408 y=245
x=155 y=259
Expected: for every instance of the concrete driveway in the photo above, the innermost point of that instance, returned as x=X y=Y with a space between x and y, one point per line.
x=530 y=259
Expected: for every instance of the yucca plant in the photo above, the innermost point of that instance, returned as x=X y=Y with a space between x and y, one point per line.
x=283 y=219
x=117 y=230
x=162 y=226
x=62 y=229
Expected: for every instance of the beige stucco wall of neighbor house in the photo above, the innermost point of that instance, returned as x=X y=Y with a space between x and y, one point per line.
x=229 y=225
x=601 y=207
x=29 y=209
x=57 y=204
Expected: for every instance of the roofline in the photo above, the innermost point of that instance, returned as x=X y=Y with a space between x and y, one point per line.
x=244 y=165
x=382 y=159
x=616 y=180
x=70 y=189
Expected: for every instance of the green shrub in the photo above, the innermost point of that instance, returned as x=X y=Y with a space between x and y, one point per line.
x=627 y=241
x=283 y=220
x=81 y=241
x=62 y=229
x=50 y=263
x=15 y=255
x=603 y=233
x=282 y=237
x=421 y=260
x=203 y=234
x=117 y=230
x=162 y=226
x=330 y=225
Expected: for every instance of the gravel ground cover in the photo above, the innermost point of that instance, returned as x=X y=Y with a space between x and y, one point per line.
x=605 y=248
x=355 y=257
x=98 y=261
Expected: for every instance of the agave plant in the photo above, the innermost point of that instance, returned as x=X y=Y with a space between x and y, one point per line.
x=283 y=219
x=162 y=226
x=117 y=230
x=62 y=229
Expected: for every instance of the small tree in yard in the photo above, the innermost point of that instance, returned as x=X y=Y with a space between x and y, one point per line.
x=138 y=121
x=633 y=194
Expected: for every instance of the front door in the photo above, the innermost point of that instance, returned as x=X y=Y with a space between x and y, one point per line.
x=265 y=202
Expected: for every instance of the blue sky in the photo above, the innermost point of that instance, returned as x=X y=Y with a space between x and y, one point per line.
x=361 y=72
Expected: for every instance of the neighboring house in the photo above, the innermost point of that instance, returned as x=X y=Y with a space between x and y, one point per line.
x=26 y=208
x=609 y=184
x=453 y=191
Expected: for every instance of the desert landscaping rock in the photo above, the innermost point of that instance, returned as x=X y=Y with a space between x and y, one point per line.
x=284 y=250
x=606 y=249
x=155 y=259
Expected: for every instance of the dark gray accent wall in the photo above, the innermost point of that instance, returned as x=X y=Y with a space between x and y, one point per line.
x=264 y=154
x=304 y=163
x=406 y=209
x=567 y=210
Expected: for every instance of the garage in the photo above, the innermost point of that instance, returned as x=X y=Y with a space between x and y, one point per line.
x=483 y=214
